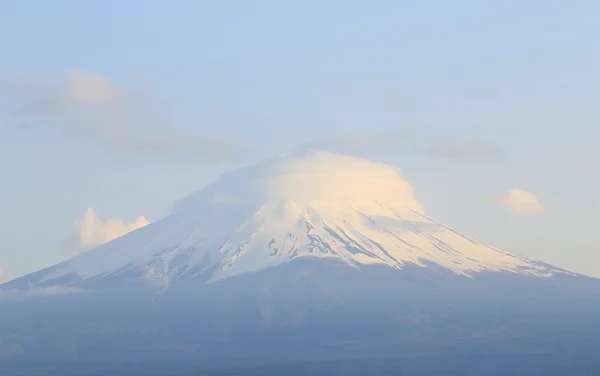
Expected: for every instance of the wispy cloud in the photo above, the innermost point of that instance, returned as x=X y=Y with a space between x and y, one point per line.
x=92 y=231
x=457 y=149
x=365 y=143
x=39 y=291
x=90 y=106
x=519 y=201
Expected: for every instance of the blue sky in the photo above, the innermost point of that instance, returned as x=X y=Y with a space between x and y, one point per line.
x=126 y=106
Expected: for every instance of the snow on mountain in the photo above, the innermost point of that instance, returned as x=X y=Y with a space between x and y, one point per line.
x=315 y=204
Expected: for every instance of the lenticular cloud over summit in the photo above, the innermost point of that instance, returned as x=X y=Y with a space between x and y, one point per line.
x=322 y=177
x=319 y=178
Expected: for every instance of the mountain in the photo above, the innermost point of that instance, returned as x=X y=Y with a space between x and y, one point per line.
x=312 y=258
x=318 y=205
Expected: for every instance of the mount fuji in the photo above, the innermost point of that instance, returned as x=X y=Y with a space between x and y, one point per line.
x=314 y=205
x=305 y=258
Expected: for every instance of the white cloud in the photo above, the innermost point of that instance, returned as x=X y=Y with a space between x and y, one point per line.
x=2 y=276
x=519 y=201
x=92 y=231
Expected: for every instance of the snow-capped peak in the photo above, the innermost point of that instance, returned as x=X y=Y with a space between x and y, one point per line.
x=315 y=204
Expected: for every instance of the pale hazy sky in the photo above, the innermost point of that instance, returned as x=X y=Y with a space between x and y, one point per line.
x=112 y=110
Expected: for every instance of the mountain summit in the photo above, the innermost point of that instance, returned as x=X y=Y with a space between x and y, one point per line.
x=315 y=204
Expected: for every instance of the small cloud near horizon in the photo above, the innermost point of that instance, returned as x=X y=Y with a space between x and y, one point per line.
x=520 y=201
x=92 y=231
